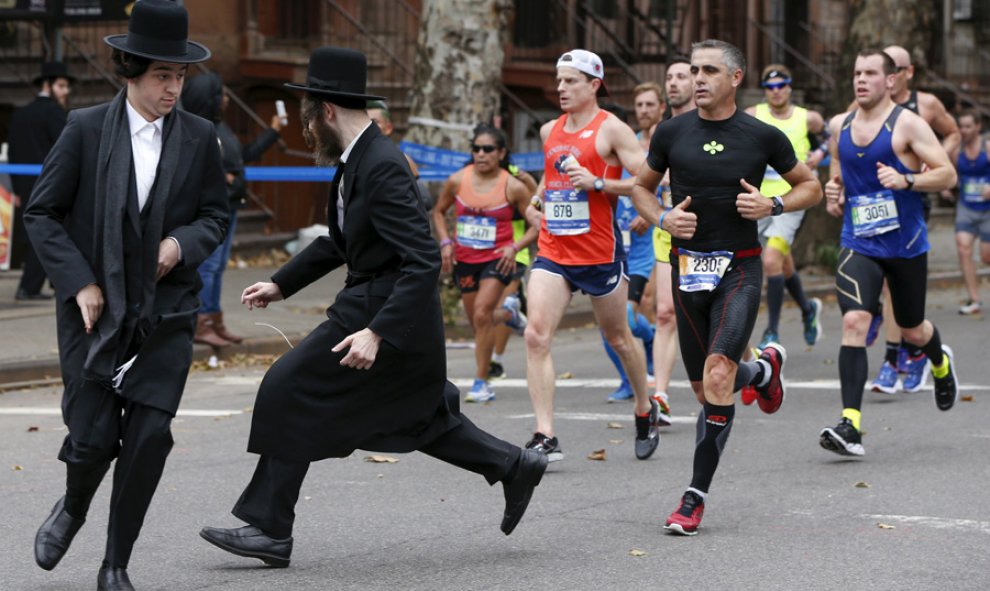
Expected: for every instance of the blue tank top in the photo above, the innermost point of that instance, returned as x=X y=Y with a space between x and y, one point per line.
x=974 y=175
x=878 y=222
x=640 y=257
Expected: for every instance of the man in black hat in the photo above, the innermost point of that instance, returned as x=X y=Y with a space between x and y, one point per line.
x=33 y=131
x=338 y=390
x=130 y=201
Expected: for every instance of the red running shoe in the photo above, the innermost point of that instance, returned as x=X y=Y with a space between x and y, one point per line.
x=771 y=396
x=687 y=518
x=748 y=395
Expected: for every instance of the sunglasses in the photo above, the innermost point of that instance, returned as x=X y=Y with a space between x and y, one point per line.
x=776 y=85
x=487 y=148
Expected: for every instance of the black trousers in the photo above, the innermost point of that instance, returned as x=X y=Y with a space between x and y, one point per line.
x=103 y=427
x=269 y=500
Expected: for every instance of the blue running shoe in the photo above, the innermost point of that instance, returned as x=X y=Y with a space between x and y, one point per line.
x=874 y=331
x=812 y=323
x=480 y=392
x=517 y=321
x=624 y=392
x=887 y=381
x=769 y=336
x=902 y=360
x=916 y=376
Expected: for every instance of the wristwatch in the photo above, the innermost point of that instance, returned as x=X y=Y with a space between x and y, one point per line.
x=909 y=179
x=778 y=206
x=599 y=184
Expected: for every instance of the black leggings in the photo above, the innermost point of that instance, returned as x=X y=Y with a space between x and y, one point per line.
x=859 y=280
x=719 y=321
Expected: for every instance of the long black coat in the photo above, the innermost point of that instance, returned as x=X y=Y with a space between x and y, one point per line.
x=309 y=407
x=60 y=221
x=34 y=128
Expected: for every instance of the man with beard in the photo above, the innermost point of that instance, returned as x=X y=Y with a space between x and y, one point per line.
x=33 y=131
x=337 y=391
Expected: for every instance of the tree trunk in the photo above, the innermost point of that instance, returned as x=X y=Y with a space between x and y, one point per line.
x=458 y=69
x=872 y=23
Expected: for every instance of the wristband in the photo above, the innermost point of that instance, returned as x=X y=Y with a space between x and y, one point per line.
x=446 y=242
x=660 y=222
x=536 y=202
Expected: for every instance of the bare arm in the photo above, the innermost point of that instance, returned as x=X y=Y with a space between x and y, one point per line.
x=805 y=191
x=835 y=196
x=941 y=122
x=439 y=214
x=644 y=194
x=940 y=173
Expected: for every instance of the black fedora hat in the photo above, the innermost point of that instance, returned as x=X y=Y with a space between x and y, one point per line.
x=51 y=70
x=159 y=31
x=336 y=72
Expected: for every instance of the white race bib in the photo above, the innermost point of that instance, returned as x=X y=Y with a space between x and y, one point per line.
x=566 y=212
x=476 y=232
x=874 y=214
x=973 y=187
x=701 y=271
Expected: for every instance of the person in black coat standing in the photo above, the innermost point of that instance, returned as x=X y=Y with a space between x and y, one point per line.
x=373 y=376
x=33 y=131
x=130 y=201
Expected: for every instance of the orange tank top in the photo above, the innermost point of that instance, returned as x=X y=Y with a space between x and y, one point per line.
x=579 y=227
x=484 y=221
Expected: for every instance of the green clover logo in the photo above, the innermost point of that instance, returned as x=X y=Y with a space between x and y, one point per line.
x=713 y=147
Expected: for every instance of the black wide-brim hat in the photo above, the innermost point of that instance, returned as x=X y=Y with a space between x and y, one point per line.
x=51 y=70
x=336 y=72
x=159 y=31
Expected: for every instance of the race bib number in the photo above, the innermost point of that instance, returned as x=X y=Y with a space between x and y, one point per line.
x=476 y=232
x=973 y=187
x=566 y=212
x=701 y=271
x=874 y=214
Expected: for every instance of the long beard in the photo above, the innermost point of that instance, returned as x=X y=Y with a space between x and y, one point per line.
x=326 y=144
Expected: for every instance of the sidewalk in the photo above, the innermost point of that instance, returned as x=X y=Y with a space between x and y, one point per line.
x=29 y=353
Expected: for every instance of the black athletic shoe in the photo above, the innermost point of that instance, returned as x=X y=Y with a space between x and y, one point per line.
x=946 y=389
x=648 y=432
x=548 y=446
x=495 y=370
x=843 y=439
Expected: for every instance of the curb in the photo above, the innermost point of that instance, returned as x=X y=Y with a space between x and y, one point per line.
x=18 y=374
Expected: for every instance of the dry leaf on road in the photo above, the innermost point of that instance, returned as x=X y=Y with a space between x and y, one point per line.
x=597 y=455
x=380 y=459
x=18 y=467
x=615 y=441
x=614 y=425
x=966 y=398
x=862 y=484
x=32 y=429
x=565 y=376
x=636 y=552
x=886 y=526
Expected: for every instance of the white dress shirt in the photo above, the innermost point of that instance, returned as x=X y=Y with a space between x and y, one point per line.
x=146 y=150
x=340 y=187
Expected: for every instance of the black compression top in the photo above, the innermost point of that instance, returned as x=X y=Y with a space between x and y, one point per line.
x=706 y=160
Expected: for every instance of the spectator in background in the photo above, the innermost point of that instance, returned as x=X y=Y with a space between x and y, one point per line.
x=33 y=131
x=204 y=96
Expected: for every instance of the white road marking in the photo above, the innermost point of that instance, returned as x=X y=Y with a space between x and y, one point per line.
x=599 y=416
x=934 y=522
x=39 y=410
x=614 y=383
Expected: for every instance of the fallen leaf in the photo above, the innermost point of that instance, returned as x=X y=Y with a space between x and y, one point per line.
x=862 y=484
x=565 y=376
x=380 y=459
x=614 y=425
x=381 y=476
x=597 y=455
x=307 y=498
x=966 y=398
x=615 y=441
x=636 y=552
x=32 y=429
x=886 y=526
x=18 y=467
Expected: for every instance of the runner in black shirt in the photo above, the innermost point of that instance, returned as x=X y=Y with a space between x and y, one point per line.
x=717 y=156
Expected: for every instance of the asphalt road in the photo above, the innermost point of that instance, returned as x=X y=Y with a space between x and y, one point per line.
x=782 y=514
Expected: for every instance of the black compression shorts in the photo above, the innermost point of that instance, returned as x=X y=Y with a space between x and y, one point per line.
x=719 y=321
x=859 y=279
x=637 y=285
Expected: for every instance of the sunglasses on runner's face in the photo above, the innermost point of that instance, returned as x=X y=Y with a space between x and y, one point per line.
x=776 y=85
x=487 y=148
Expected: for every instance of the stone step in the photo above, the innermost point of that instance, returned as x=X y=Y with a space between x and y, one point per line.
x=249 y=244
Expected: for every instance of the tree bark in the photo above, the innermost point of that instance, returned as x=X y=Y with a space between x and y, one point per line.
x=458 y=69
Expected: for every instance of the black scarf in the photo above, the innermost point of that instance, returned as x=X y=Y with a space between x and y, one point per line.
x=113 y=178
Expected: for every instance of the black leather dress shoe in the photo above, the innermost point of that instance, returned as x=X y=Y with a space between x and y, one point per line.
x=519 y=489
x=25 y=296
x=55 y=535
x=113 y=579
x=250 y=542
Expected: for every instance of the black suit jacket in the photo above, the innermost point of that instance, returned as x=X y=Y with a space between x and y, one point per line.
x=60 y=219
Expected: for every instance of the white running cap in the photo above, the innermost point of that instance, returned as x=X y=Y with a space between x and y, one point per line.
x=585 y=61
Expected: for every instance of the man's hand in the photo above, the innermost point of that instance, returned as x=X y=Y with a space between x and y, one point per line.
x=276 y=122
x=90 y=302
x=815 y=158
x=364 y=348
x=639 y=226
x=168 y=257
x=890 y=178
x=506 y=264
x=835 y=196
x=680 y=222
x=581 y=177
x=261 y=294
x=751 y=204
